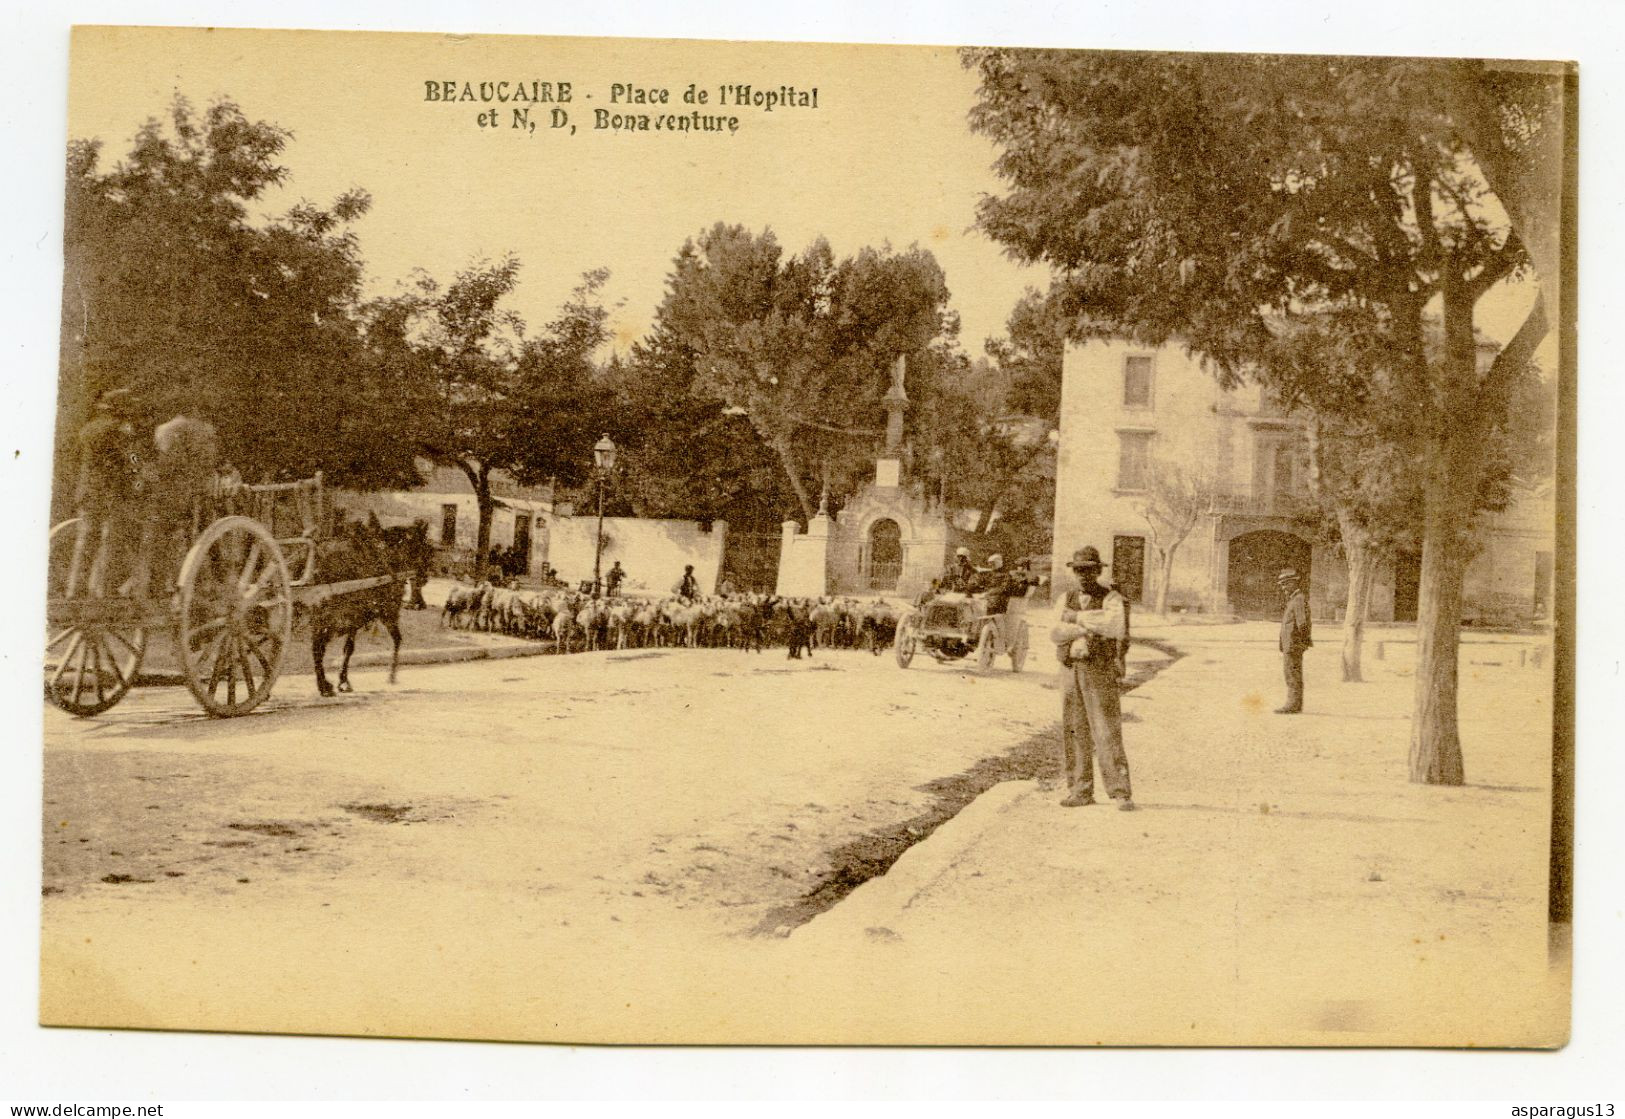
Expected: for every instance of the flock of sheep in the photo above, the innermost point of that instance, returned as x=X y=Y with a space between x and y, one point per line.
x=577 y=622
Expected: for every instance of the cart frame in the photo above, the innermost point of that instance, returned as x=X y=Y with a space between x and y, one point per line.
x=230 y=602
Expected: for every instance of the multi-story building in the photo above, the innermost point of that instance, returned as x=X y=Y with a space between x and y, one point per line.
x=1128 y=411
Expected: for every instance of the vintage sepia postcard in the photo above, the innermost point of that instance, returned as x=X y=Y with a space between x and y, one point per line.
x=655 y=541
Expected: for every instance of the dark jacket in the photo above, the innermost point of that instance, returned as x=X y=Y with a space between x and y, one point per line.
x=1102 y=651
x=1295 y=624
x=1002 y=587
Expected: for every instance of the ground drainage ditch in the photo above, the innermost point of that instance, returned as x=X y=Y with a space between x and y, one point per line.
x=872 y=855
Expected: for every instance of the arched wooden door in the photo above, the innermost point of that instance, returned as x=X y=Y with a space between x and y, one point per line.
x=1256 y=559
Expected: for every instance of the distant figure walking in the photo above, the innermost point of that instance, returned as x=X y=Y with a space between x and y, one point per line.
x=613 y=580
x=1090 y=625
x=1295 y=638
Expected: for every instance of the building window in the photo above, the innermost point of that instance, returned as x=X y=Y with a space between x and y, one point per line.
x=1279 y=477
x=1137 y=381
x=448 y=525
x=1286 y=474
x=1133 y=459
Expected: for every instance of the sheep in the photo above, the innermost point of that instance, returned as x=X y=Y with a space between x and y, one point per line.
x=824 y=615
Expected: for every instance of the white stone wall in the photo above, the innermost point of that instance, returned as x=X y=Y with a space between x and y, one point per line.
x=651 y=552
x=804 y=559
x=924 y=540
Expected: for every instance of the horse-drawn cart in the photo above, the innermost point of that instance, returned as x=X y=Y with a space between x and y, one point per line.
x=229 y=604
x=949 y=627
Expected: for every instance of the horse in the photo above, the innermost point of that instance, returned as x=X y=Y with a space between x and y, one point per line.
x=364 y=551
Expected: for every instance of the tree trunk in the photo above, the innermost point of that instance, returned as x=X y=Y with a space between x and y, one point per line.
x=787 y=460
x=1164 y=578
x=1363 y=561
x=480 y=478
x=482 y=544
x=1447 y=523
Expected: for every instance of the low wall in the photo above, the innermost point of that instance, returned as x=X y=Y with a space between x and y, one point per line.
x=653 y=553
x=804 y=559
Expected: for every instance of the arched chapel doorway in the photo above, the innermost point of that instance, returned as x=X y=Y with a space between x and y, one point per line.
x=885 y=554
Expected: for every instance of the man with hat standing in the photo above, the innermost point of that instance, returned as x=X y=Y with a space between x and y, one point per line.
x=1295 y=638
x=1090 y=624
x=997 y=585
x=108 y=491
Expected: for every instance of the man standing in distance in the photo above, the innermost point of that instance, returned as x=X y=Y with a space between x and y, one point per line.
x=1090 y=623
x=1295 y=638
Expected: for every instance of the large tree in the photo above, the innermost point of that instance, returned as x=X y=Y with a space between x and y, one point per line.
x=1373 y=492
x=1367 y=459
x=982 y=455
x=476 y=394
x=801 y=347
x=175 y=290
x=1216 y=200
x=686 y=453
x=1029 y=356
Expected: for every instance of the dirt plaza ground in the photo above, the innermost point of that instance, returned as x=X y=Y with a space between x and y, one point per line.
x=612 y=847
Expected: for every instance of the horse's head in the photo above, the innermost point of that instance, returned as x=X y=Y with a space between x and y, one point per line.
x=408 y=546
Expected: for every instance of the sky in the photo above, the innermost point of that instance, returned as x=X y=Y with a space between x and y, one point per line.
x=885 y=157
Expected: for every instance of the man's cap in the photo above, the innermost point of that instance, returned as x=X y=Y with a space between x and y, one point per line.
x=1086 y=556
x=1286 y=574
x=995 y=560
x=962 y=552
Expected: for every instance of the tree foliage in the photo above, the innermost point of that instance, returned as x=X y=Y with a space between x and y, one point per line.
x=686 y=453
x=1029 y=357
x=982 y=457
x=1219 y=201
x=173 y=289
x=800 y=347
x=474 y=393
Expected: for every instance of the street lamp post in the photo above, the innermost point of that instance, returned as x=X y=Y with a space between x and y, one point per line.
x=603 y=455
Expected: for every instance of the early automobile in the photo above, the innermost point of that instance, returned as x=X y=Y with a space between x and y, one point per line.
x=952 y=626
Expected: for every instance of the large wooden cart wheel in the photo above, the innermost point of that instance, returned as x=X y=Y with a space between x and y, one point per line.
x=1018 y=647
x=93 y=646
x=905 y=642
x=233 y=616
x=987 y=645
